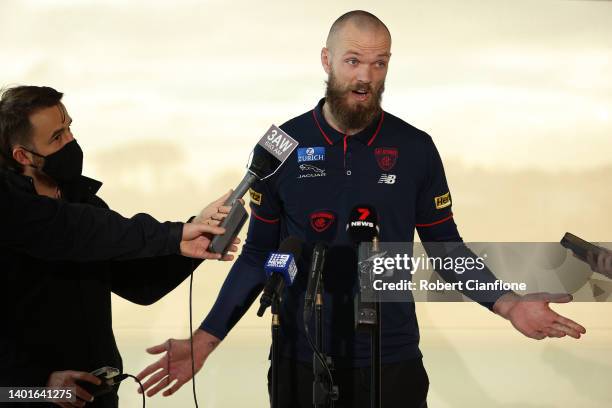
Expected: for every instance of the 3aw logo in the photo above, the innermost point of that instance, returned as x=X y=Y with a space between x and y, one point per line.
x=278 y=143
x=387 y=179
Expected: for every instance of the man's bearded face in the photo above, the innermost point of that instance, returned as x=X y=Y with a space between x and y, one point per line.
x=354 y=105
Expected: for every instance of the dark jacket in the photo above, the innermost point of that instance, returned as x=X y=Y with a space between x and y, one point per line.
x=60 y=230
x=57 y=314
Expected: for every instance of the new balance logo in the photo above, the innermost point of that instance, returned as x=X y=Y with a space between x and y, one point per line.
x=387 y=179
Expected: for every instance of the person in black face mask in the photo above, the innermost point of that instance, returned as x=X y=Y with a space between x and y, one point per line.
x=65 y=165
x=55 y=159
x=56 y=315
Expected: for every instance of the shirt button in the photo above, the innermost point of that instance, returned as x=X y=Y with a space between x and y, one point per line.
x=348 y=172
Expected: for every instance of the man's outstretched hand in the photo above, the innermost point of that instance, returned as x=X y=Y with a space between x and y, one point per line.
x=174 y=369
x=532 y=315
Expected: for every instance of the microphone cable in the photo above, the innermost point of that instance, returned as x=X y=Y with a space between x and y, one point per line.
x=321 y=360
x=121 y=377
x=193 y=373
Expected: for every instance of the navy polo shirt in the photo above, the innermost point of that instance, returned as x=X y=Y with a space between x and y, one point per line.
x=391 y=166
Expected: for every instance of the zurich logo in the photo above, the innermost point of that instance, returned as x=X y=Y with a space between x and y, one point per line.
x=309 y=154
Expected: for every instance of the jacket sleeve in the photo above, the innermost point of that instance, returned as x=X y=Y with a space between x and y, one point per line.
x=55 y=230
x=145 y=281
x=30 y=375
x=436 y=224
x=247 y=277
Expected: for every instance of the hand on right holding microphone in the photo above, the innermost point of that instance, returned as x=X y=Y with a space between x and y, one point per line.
x=215 y=212
x=198 y=234
x=602 y=263
x=196 y=240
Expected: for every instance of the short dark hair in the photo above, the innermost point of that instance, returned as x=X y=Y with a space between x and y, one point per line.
x=360 y=18
x=16 y=105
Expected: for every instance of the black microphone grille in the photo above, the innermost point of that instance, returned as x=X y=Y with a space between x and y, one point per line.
x=363 y=223
x=292 y=245
x=262 y=162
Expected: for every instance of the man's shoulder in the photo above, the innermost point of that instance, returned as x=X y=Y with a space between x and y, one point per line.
x=98 y=202
x=300 y=126
x=17 y=182
x=401 y=125
x=404 y=131
x=296 y=126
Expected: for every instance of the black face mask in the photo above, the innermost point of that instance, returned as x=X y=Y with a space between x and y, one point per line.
x=65 y=165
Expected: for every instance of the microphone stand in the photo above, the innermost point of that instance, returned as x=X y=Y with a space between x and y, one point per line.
x=323 y=391
x=319 y=317
x=275 y=352
x=376 y=334
x=367 y=318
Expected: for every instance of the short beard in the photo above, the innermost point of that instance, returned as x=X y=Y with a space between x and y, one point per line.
x=348 y=117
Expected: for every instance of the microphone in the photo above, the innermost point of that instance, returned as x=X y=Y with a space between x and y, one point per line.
x=272 y=150
x=281 y=270
x=268 y=156
x=322 y=232
x=363 y=227
x=363 y=224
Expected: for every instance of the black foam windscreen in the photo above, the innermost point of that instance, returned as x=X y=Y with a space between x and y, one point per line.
x=323 y=226
x=291 y=245
x=263 y=163
x=362 y=225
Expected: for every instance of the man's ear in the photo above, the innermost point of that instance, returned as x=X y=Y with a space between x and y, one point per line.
x=22 y=156
x=326 y=59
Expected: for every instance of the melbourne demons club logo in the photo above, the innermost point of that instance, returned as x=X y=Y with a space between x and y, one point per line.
x=321 y=220
x=386 y=157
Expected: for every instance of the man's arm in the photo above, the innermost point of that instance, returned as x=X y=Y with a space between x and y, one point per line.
x=530 y=314
x=241 y=287
x=436 y=225
x=55 y=230
x=145 y=281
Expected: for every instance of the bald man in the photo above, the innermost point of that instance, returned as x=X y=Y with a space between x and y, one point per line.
x=351 y=152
